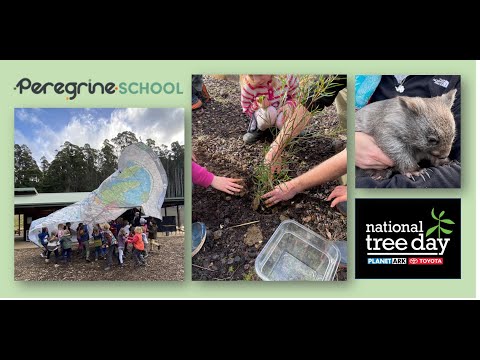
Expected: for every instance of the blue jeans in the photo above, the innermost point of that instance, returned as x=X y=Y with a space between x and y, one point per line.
x=137 y=254
x=98 y=251
x=110 y=251
x=67 y=255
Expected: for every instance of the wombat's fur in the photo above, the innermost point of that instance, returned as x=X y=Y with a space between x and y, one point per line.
x=410 y=129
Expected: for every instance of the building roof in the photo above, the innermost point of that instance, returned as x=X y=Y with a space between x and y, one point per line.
x=49 y=199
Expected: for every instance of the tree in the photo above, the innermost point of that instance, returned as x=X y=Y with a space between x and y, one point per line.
x=108 y=161
x=44 y=164
x=27 y=173
x=122 y=140
x=91 y=157
x=67 y=171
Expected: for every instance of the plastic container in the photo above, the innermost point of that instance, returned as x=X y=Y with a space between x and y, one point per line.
x=296 y=253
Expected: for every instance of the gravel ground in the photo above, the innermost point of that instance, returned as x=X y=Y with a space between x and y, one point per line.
x=166 y=264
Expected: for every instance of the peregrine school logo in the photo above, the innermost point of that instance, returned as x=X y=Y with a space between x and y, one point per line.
x=71 y=90
x=407 y=238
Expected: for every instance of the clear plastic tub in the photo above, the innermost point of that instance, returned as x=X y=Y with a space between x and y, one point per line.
x=296 y=253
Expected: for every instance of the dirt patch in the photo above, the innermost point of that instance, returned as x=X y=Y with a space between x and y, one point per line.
x=163 y=264
x=217 y=142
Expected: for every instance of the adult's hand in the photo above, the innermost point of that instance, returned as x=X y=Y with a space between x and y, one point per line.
x=227 y=185
x=282 y=192
x=338 y=195
x=368 y=155
x=273 y=159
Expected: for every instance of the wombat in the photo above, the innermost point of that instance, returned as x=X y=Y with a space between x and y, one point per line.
x=410 y=129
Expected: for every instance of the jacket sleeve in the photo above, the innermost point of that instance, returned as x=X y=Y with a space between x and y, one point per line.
x=446 y=176
x=247 y=98
x=201 y=176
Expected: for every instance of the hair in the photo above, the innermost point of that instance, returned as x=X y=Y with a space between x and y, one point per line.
x=138 y=230
x=106 y=226
x=248 y=79
x=95 y=229
x=44 y=229
x=60 y=226
x=54 y=232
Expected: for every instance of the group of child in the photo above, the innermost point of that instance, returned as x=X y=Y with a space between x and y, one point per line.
x=109 y=240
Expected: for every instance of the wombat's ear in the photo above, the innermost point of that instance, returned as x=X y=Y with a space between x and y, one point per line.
x=449 y=98
x=414 y=104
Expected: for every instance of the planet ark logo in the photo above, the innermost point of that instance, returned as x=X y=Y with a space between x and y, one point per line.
x=73 y=89
x=419 y=247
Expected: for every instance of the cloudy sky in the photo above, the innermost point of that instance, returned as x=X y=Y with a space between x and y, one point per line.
x=45 y=130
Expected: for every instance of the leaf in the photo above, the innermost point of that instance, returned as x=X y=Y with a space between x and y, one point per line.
x=445 y=231
x=431 y=230
x=441 y=214
x=447 y=221
x=433 y=214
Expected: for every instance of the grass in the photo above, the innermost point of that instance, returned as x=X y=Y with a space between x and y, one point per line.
x=250 y=276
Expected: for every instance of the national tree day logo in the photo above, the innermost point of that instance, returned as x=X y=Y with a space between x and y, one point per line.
x=413 y=240
x=440 y=220
x=408 y=239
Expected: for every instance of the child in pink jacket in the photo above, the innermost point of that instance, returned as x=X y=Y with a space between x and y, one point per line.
x=203 y=177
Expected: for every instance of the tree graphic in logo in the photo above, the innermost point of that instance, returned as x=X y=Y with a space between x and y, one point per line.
x=440 y=221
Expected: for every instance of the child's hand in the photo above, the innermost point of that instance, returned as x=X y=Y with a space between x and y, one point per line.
x=263 y=102
x=227 y=185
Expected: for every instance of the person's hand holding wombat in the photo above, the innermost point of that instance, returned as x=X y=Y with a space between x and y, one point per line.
x=368 y=155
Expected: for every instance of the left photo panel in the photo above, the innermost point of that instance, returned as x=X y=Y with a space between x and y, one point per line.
x=99 y=194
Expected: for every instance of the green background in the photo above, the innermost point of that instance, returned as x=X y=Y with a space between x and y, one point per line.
x=163 y=71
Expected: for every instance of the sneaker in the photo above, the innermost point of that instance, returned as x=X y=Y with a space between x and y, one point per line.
x=47 y=261
x=251 y=137
x=42 y=255
x=205 y=94
x=197 y=105
x=253 y=134
x=56 y=265
x=107 y=268
x=88 y=260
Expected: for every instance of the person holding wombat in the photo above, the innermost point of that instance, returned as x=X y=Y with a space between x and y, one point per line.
x=409 y=133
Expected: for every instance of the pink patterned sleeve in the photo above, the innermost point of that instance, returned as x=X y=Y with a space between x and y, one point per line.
x=201 y=176
x=248 y=99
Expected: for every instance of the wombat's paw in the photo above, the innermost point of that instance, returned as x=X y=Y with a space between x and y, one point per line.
x=380 y=174
x=423 y=173
x=441 y=162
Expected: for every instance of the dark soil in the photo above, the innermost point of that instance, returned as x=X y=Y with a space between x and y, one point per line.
x=163 y=264
x=217 y=143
